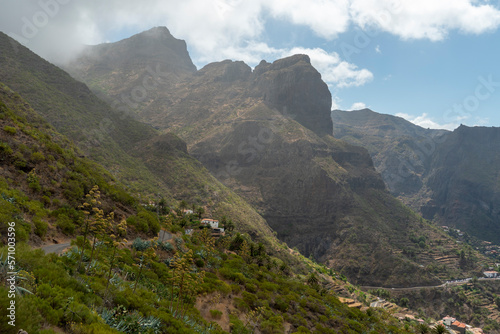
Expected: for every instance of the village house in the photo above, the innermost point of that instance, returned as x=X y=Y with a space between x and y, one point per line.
x=214 y=225
x=491 y=274
x=447 y=321
x=210 y=222
x=459 y=327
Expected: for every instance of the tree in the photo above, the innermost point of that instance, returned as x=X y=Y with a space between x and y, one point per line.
x=229 y=225
x=98 y=228
x=145 y=257
x=162 y=205
x=188 y=283
x=183 y=205
x=200 y=211
x=497 y=301
x=116 y=238
x=404 y=302
x=91 y=210
x=439 y=329
x=423 y=329
x=312 y=280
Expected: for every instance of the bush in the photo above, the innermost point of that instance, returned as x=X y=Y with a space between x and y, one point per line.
x=40 y=227
x=10 y=130
x=166 y=246
x=215 y=314
x=5 y=149
x=38 y=156
x=65 y=224
x=141 y=245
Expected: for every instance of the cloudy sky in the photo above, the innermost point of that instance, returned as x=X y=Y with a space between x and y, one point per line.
x=433 y=62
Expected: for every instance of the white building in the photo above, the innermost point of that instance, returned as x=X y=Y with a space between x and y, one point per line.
x=213 y=223
x=491 y=274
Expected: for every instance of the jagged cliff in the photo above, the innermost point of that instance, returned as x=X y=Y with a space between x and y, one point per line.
x=449 y=177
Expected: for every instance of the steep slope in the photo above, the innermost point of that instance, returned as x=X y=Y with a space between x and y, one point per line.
x=464 y=178
x=400 y=150
x=265 y=134
x=43 y=179
x=451 y=177
x=135 y=153
x=41 y=182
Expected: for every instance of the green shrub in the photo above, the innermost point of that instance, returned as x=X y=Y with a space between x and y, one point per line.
x=23 y=231
x=141 y=245
x=38 y=156
x=215 y=314
x=34 y=181
x=65 y=224
x=40 y=227
x=5 y=149
x=10 y=130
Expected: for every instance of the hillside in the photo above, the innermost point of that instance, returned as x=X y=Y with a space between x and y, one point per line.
x=148 y=163
x=43 y=178
x=227 y=284
x=265 y=135
x=449 y=177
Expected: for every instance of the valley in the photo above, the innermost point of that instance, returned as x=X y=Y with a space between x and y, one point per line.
x=323 y=213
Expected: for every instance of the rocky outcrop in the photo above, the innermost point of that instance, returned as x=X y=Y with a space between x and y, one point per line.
x=295 y=88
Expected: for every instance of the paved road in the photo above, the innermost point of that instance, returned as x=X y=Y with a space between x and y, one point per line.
x=60 y=248
x=57 y=248
x=465 y=280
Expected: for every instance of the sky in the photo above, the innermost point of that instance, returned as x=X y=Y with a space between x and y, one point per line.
x=433 y=62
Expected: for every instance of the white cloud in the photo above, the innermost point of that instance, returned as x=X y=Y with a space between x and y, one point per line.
x=425 y=19
x=334 y=71
x=357 y=106
x=377 y=49
x=326 y=18
x=219 y=29
x=427 y=122
x=336 y=103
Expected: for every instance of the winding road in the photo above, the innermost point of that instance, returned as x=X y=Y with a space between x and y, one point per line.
x=458 y=282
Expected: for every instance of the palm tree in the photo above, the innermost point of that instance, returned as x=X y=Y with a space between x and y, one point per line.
x=439 y=329
x=312 y=280
x=423 y=329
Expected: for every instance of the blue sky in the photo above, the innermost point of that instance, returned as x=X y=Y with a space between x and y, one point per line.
x=433 y=62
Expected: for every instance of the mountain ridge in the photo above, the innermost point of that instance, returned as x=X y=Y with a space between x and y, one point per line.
x=266 y=135
x=448 y=176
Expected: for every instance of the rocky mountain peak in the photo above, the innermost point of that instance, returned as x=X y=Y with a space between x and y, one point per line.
x=295 y=88
x=226 y=71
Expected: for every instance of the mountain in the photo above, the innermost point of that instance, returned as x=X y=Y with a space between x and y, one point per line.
x=449 y=177
x=42 y=181
x=43 y=176
x=265 y=134
x=148 y=163
x=464 y=179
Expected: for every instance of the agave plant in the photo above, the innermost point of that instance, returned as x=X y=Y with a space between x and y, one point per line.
x=131 y=323
x=6 y=273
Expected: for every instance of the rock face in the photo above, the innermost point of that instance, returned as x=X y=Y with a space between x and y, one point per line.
x=294 y=87
x=450 y=177
x=266 y=134
x=464 y=179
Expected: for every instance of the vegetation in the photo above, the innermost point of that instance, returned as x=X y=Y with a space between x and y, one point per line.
x=145 y=289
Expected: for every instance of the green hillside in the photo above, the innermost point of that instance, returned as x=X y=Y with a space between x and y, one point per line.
x=182 y=285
